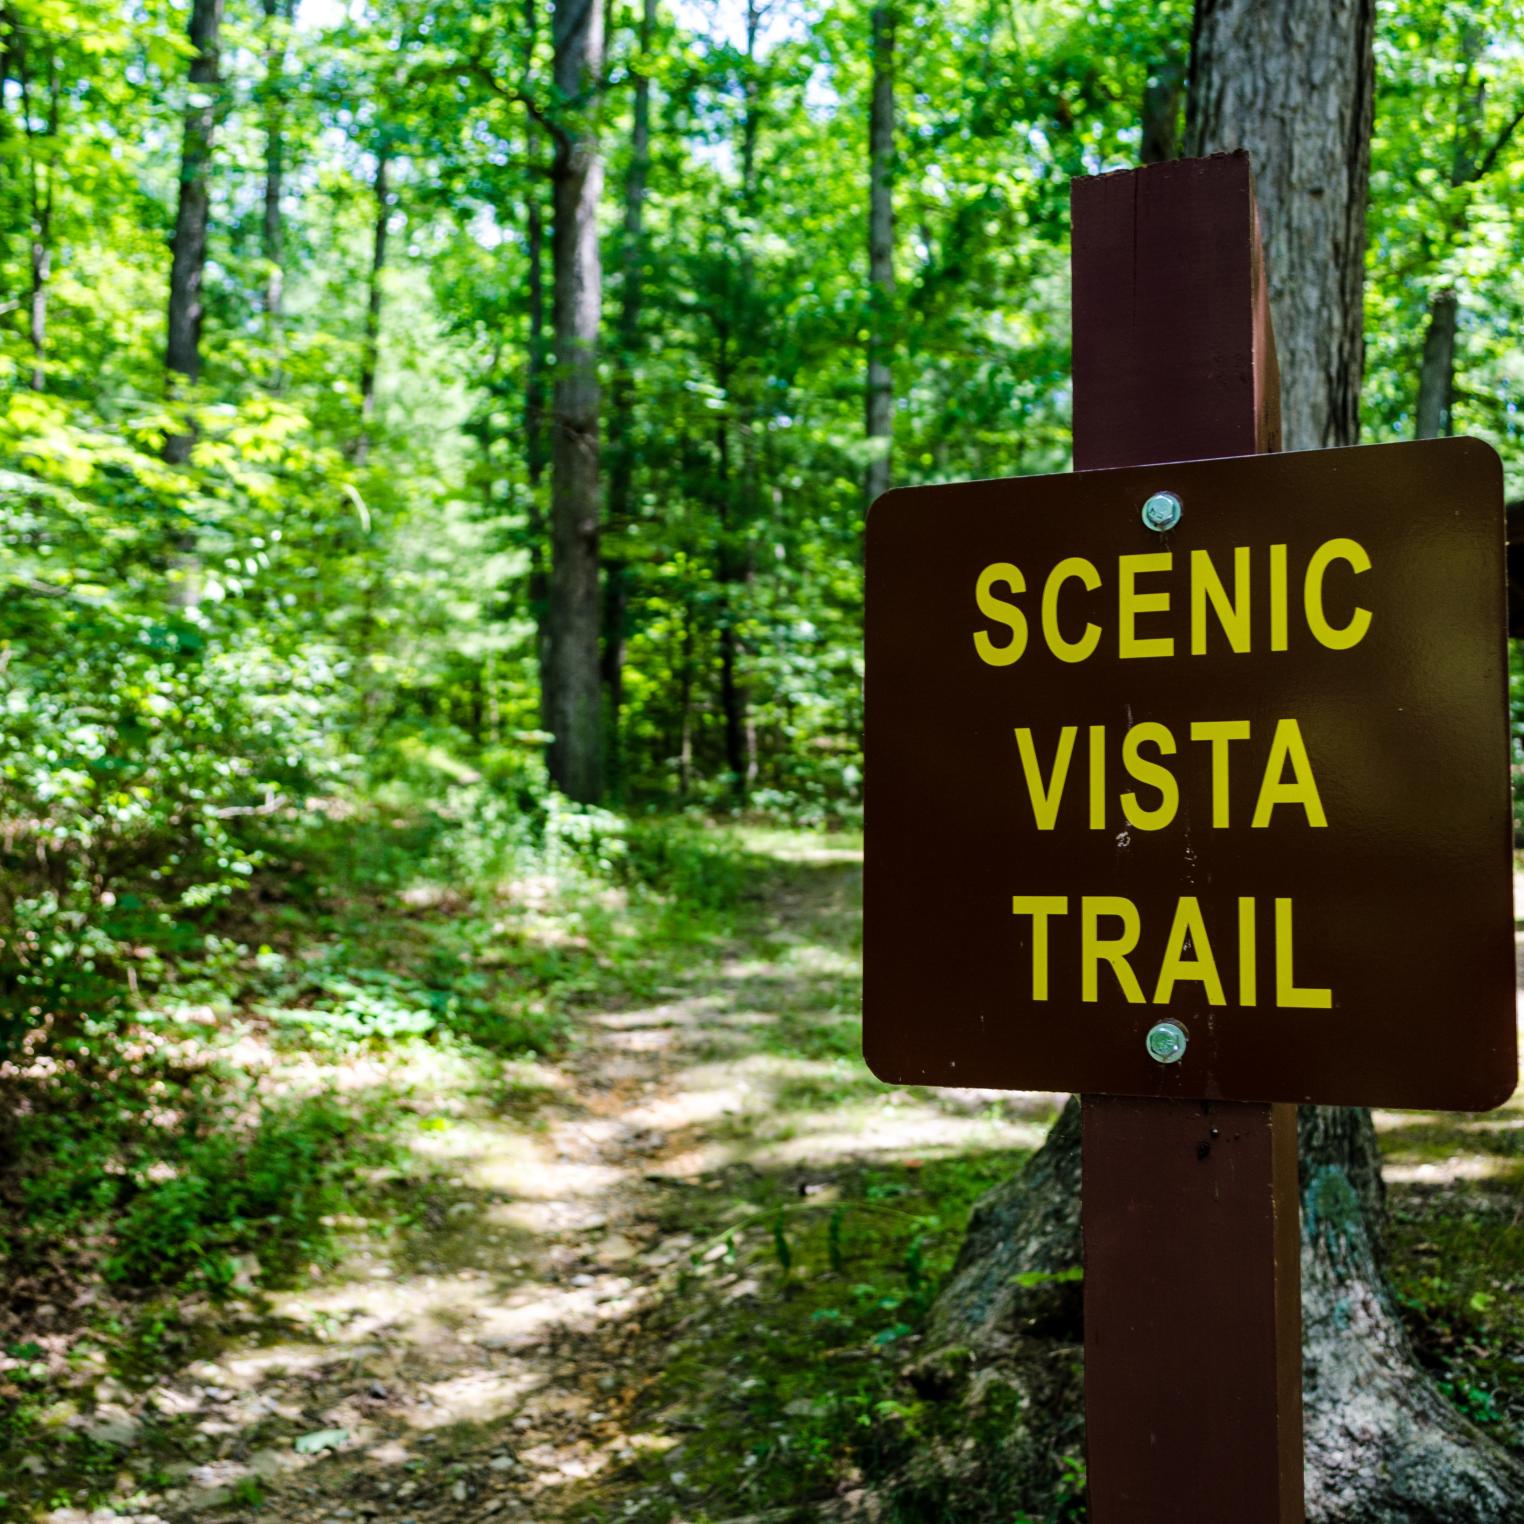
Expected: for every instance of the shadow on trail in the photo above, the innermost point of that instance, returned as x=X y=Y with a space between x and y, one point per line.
x=671 y=1283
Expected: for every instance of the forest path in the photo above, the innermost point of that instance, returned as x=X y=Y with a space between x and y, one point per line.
x=500 y=1362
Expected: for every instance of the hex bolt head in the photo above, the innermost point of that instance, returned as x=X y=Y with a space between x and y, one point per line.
x=1162 y=511
x=1166 y=1042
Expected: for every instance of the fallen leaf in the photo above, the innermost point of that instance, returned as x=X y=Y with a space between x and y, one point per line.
x=321 y=1439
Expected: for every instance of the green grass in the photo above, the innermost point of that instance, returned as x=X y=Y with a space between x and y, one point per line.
x=1457 y=1260
x=782 y=1335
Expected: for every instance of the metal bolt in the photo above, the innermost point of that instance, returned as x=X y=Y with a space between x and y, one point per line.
x=1162 y=511
x=1166 y=1042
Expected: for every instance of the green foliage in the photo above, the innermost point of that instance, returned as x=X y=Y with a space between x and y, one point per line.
x=270 y=1190
x=342 y=595
x=806 y=1367
x=1457 y=1258
x=172 y=1200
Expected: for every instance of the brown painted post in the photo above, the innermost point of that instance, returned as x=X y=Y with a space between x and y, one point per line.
x=1193 y=1401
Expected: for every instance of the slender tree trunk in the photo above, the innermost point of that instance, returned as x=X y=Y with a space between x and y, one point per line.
x=880 y=400
x=1436 y=376
x=536 y=413
x=370 y=349
x=1292 y=84
x=536 y=401
x=1161 y=113
x=572 y=676
x=37 y=326
x=278 y=17
x=40 y=188
x=621 y=504
x=182 y=353
x=685 y=706
x=736 y=381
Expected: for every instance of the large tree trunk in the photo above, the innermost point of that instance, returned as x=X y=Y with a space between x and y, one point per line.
x=621 y=504
x=1000 y=1362
x=880 y=400
x=182 y=353
x=1296 y=89
x=571 y=669
x=1383 y=1445
x=1293 y=84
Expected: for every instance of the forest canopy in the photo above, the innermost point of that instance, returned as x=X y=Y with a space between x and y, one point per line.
x=400 y=395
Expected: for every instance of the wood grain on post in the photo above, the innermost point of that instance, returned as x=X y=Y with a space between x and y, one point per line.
x=1193 y=1402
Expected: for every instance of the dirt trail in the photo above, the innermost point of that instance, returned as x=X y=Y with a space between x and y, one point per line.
x=490 y=1373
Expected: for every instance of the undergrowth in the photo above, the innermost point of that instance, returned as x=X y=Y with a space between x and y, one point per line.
x=229 y=1132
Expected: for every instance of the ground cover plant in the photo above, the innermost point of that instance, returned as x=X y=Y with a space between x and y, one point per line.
x=627 y=1231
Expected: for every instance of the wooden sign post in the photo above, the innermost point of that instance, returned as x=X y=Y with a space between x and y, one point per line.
x=1188 y=792
x=1193 y=1319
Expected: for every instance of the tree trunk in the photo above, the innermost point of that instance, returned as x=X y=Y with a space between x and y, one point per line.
x=571 y=670
x=999 y=1367
x=278 y=17
x=40 y=187
x=880 y=408
x=685 y=705
x=1383 y=1445
x=736 y=380
x=370 y=349
x=621 y=504
x=1297 y=93
x=1436 y=376
x=1293 y=84
x=182 y=354
x=536 y=406
x=1161 y=113
x=37 y=326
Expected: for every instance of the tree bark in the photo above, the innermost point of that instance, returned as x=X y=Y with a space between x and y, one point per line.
x=736 y=381
x=621 y=503
x=999 y=1362
x=571 y=671
x=40 y=194
x=1470 y=161
x=536 y=403
x=1161 y=113
x=370 y=347
x=278 y=17
x=880 y=399
x=1293 y=84
x=182 y=354
x=1436 y=375
x=1383 y=1446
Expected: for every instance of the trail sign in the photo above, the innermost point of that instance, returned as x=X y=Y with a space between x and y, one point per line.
x=1192 y=781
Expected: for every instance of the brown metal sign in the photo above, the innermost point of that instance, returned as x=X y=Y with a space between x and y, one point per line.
x=1193 y=781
